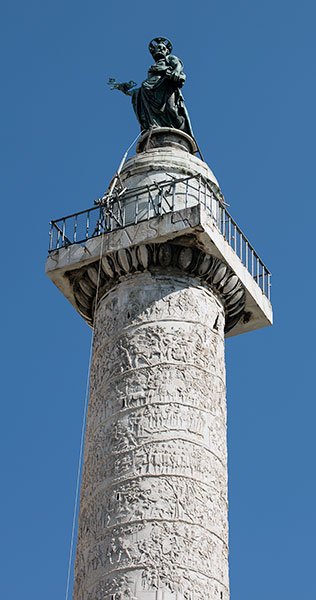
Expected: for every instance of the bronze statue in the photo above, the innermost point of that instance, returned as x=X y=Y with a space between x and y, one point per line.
x=158 y=102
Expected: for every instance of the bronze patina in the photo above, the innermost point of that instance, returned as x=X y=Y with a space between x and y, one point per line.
x=158 y=102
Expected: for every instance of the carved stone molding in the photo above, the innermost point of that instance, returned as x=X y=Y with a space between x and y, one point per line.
x=165 y=257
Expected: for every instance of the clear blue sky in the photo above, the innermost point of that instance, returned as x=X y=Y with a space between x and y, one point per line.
x=250 y=92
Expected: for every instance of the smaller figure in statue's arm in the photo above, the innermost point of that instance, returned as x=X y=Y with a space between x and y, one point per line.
x=175 y=73
x=159 y=102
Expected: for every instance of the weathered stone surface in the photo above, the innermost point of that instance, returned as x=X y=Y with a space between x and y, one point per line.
x=153 y=510
x=153 y=257
x=188 y=219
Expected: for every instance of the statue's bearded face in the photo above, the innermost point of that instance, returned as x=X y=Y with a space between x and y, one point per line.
x=160 y=51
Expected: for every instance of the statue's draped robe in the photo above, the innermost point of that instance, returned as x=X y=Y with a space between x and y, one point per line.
x=159 y=102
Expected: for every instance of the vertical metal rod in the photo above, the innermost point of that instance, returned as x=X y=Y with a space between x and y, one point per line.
x=63 y=234
x=240 y=245
x=87 y=224
x=58 y=237
x=247 y=250
x=235 y=238
x=75 y=228
x=269 y=285
x=229 y=231
x=199 y=190
x=252 y=265
x=258 y=271
x=51 y=236
x=263 y=280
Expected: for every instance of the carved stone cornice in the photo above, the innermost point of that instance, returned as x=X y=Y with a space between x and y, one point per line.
x=153 y=258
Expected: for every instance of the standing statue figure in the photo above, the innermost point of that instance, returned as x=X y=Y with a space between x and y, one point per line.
x=158 y=102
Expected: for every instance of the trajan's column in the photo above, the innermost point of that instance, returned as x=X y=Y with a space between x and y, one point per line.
x=162 y=273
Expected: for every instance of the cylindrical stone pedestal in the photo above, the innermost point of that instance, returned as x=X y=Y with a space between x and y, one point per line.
x=153 y=508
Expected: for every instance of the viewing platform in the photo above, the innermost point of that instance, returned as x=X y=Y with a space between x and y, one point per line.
x=163 y=209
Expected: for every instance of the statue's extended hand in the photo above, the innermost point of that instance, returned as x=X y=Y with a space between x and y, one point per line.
x=123 y=87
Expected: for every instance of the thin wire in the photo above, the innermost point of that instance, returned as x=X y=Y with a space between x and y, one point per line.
x=135 y=140
x=83 y=427
x=84 y=419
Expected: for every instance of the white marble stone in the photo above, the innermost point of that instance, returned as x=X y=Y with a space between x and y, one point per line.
x=153 y=509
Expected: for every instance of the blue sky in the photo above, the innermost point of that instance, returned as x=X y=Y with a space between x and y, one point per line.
x=250 y=92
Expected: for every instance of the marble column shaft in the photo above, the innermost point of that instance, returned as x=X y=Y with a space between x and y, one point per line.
x=153 y=508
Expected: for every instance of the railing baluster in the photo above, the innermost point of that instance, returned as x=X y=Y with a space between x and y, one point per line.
x=63 y=233
x=51 y=236
x=87 y=224
x=199 y=191
x=258 y=270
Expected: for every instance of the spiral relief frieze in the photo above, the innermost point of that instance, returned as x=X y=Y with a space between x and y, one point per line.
x=153 y=506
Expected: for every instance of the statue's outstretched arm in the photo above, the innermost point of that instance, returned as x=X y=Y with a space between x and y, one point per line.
x=123 y=87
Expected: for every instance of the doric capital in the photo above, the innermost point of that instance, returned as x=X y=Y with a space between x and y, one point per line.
x=211 y=271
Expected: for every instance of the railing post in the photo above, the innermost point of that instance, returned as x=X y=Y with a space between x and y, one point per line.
x=51 y=236
x=173 y=196
x=75 y=228
x=87 y=224
x=63 y=235
x=258 y=270
x=240 y=245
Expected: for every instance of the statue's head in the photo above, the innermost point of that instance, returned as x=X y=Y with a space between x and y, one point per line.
x=160 y=47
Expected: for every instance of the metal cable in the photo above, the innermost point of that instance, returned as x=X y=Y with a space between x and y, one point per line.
x=83 y=427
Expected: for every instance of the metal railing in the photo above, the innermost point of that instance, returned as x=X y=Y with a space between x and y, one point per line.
x=146 y=202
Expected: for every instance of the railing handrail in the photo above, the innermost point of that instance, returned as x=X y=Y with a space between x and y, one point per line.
x=109 y=220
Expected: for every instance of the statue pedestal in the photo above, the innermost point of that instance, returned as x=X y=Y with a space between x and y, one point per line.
x=158 y=137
